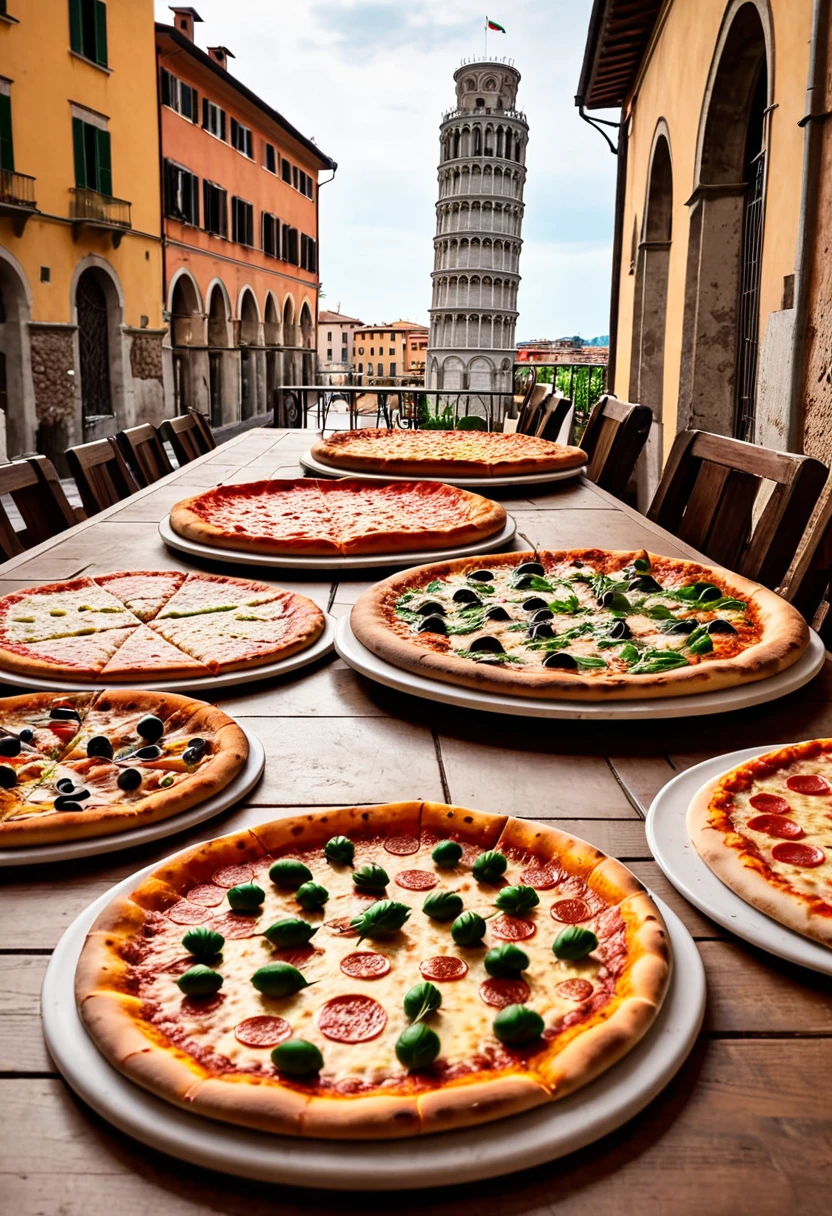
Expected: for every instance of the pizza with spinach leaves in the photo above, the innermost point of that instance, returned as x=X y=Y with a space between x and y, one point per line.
x=589 y=624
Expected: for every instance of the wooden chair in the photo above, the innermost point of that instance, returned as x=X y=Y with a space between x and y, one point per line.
x=144 y=452
x=35 y=489
x=551 y=416
x=613 y=440
x=101 y=474
x=712 y=496
x=526 y=420
x=189 y=436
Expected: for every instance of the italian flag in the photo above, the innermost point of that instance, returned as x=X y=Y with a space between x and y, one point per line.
x=492 y=25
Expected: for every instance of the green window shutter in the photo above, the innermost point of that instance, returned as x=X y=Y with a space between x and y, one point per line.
x=165 y=88
x=101 y=33
x=6 y=143
x=76 y=37
x=102 y=155
x=80 y=157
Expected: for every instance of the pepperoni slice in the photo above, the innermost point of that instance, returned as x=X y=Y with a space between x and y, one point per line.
x=443 y=967
x=500 y=993
x=207 y=895
x=202 y=1004
x=777 y=825
x=808 y=855
x=235 y=927
x=416 y=880
x=185 y=913
x=772 y=804
x=542 y=878
x=351 y=1019
x=232 y=876
x=512 y=929
x=262 y=1031
x=365 y=965
x=574 y=990
x=296 y=956
x=570 y=911
x=808 y=783
x=341 y=926
x=402 y=845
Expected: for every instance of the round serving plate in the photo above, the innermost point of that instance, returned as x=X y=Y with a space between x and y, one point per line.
x=70 y=850
x=670 y=844
x=487 y=1151
x=722 y=701
x=363 y=561
x=312 y=465
x=202 y=686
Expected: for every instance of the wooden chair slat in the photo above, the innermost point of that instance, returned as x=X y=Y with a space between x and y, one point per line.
x=36 y=490
x=613 y=441
x=144 y=452
x=189 y=436
x=696 y=524
x=101 y=474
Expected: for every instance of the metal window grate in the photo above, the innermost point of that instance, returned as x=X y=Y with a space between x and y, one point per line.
x=748 y=328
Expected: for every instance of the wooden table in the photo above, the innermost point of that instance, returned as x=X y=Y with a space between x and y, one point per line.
x=746 y=1126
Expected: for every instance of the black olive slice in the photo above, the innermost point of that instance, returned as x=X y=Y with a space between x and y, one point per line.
x=644 y=582
x=606 y=599
x=8 y=777
x=720 y=627
x=198 y=745
x=563 y=660
x=192 y=755
x=67 y=804
x=522 y=582
x=543 y=614
x=682 y=627
x=466 y=596
x=65 y=786
x=26 y=735
x=432 y=624
x=129 y=779
x=543 y=630
x=486 y=645
x=60 y=714
x=497 y=613
x=619 y=630
x=481 y=576
x=529 y=568
x=431 y=608
x=9 y=746
x=100 y=745
x=534 y=602
x=151 y=752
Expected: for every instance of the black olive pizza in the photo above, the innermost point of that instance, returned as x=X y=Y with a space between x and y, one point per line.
x=91 y=764
x=588 y=624
x=375 y=972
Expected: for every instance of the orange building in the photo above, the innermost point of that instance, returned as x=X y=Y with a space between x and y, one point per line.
x=240 y=233
x=390 y=350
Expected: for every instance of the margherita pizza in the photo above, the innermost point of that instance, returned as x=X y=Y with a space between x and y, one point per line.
x=151 y=624
x=95 y=763
x=445 y=453
x=336 y=518
x=765 y=829
x=375 y=972
x=587 y=624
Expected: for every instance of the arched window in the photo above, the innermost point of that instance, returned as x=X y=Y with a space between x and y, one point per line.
x=477 y=142
x=456 y=142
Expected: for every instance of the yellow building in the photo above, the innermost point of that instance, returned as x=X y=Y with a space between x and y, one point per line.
x=383 y=352
x=80 y=242
x=715 y=215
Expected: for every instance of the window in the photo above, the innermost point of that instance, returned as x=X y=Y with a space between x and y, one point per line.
x=361 y=352
x=241 y=139
x=242 y=221
x=213 y=118
x=391 y=352
x=308 y=253
x=91 y=146
x=295 y=172
x=181 y=193
x=372 y=350
x=88 y=30
x=179 y=96
x=286 y=171
x=271 y=235
x=290 y=245
x=271 y=158
x=214 y=209
x=329 y=354
x=392 y=369
x=361 y=367
x=6 y=141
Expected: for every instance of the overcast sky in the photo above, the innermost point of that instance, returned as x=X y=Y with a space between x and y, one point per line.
x=369 y=80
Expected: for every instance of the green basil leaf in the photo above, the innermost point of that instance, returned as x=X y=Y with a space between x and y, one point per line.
x=702 y=645
x=659 y=612
x=658 y=661
x=628 y=653
x=588 y=662
x=642 y=565
x=620 y=604
x=435 y=586
x=570 y=604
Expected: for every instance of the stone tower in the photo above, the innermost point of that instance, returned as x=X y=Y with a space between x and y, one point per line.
x=479 y=217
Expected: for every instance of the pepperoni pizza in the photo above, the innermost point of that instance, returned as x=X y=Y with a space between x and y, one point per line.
x=375 y=972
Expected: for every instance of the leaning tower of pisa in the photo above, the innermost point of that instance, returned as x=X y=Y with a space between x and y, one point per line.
x=479 y=217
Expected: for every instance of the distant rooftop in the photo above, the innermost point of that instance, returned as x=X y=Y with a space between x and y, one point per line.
x=333 y=318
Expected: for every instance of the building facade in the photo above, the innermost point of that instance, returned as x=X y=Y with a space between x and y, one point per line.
x=721 y=284
x=81 y=323
x=240 y=234
x=336 y=334
x=479 y=219
x=388 y=351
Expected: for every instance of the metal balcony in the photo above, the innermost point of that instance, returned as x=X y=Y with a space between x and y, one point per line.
x=89 y=209
x=17 y=198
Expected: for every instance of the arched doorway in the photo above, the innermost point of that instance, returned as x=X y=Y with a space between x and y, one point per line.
x=249 y=335
x=307 y=329
x=218 y=318
x=718 y=378
x=271 y=336
x=92 y=311
x=185 y=329
x=17 y=420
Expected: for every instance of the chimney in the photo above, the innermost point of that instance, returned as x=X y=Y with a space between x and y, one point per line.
x=220 y=55
x=184 y=19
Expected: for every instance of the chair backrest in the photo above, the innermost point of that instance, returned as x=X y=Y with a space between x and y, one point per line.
x=144 y=452
x=551 y=416
x=187 y=435
x=471 y=422
x=613 y=440
x=101 y=474
x=708 y=496
x=36 y=491
x=205 y=429
x=529 y=415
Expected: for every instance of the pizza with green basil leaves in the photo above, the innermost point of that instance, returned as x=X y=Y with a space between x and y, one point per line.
x=375 y=972
x=588 y=624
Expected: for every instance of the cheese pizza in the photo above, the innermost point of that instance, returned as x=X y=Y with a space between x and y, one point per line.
x=445 y=453
x=375 y=972
x=588 y=624
x=765 y=829
x=336 y=518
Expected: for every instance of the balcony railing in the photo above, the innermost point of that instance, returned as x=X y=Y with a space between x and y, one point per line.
x=517 y=115
x=17 y=189
x=90 y=207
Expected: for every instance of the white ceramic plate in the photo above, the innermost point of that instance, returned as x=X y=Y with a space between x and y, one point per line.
x=466 y=483
x=69 y=850
x=203 y=686
x=364 y=561
x=670 y=844
x=720 y=702
x=482 y=1152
